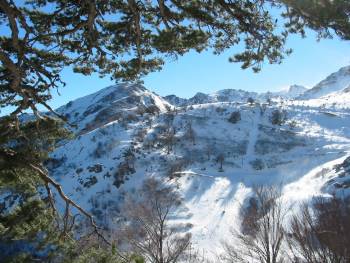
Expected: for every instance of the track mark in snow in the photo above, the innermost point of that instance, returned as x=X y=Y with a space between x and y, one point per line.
x=253 y=136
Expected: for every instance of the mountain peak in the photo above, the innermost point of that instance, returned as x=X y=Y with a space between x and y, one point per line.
x=335 y=82
x=291 y=92
x=297 y=88
x=108 y=104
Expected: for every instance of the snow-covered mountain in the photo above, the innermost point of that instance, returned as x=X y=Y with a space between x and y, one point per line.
x=294 y=91
x=335 y=85
x=306 y=153
x=335 y=82
x=110 y=104
x=233 y=95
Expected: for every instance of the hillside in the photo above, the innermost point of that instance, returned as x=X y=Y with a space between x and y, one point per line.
x=335 y=82
x=122 y=137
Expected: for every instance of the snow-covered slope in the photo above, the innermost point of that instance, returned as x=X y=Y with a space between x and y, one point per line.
x=233 y=95
x=294 y=91
x=335 y=82
x=110 y=104
x=307 y=155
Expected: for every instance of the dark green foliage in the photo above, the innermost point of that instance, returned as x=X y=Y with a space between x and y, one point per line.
x=327 y=18
x=90 y=251
x=235 y=117
x=278 y=117
x=27 y=227
x=123 y=39
x=94 y=255
x=250 y=100
x=90 y=182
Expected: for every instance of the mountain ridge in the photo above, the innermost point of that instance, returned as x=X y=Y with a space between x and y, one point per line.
x=335 y=82
x=235 y=95
x=301 y=145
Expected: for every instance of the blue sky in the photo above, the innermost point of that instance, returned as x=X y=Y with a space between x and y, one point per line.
x=310 y=62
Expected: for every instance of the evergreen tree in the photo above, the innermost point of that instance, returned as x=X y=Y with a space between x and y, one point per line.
x=326 y=17
x=235 y=117
x=278 y=117
x=29 y=227
x=125 y=40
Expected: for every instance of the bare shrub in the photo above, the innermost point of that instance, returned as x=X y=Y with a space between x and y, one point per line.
x=293 y=124
x=150 y=141
x=220 y=110
x=141 y=110
x=321 y=232
x=209 y=150
x=103 y=148
x=130 y=118
x=190 y=134
x=176 y=167
x=169 y=119
x=257 y=164
x=129 y=157
x=148 y=231
x=220 y=159
x=168 y=139
x=262 y=232
x=140 y=134
x=99 y=151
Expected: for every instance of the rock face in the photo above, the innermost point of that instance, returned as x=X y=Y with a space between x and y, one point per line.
x=126 y=133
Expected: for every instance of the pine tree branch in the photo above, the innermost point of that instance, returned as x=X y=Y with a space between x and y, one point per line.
x=48 y=180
